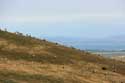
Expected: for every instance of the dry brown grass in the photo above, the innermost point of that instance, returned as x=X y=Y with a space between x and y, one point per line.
x=31 y=60
x=89 y=73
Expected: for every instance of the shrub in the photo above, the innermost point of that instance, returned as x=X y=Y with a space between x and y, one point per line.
x=56 y=43
x=44 y=40
x=72 y=47
x=104 y=68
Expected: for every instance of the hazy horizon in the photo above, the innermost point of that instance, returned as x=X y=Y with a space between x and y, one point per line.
x=67 y=18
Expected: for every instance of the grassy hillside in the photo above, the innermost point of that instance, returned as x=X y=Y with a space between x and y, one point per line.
x=25 y=59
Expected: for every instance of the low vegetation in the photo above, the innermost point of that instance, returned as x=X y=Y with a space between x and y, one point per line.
x=26 y=59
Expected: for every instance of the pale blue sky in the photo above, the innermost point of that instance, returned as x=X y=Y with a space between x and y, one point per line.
x=72 y=18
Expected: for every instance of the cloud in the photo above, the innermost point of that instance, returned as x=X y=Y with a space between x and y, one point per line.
x=67 y=17
x=54 y=11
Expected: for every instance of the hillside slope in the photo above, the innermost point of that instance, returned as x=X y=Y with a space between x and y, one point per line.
x=25 y=59
x=119 y=58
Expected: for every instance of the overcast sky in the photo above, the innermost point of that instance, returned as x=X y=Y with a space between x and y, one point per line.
x=72 y=18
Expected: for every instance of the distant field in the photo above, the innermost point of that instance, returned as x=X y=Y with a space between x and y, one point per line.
x=109 y=53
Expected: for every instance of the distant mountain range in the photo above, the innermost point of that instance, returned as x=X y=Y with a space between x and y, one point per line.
x=108 y=43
